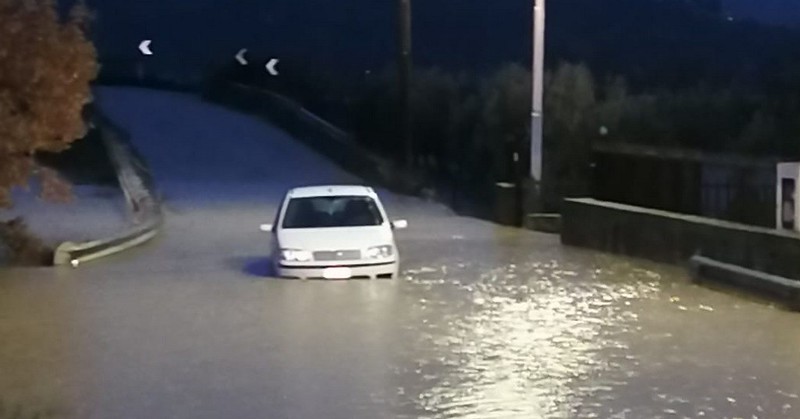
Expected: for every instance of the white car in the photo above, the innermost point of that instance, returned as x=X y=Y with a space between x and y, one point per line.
x=333 y=232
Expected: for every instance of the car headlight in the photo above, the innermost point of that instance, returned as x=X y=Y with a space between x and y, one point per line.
x=379 y=252
x=294 y=255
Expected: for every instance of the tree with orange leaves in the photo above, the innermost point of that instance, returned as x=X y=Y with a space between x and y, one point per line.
x=46 y=66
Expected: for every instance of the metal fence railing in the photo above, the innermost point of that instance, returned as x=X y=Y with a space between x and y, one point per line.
x=737 y=190
x=749 y=204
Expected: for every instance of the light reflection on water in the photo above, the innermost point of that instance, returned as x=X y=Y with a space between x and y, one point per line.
x=543 y=331
x=476 y=329
x=526 y=340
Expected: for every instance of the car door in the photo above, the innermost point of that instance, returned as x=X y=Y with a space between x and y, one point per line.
x=387 y=224
x=274 y=249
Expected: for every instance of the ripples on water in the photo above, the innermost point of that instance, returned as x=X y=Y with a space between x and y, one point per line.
x=524 y=340
x=477 y=330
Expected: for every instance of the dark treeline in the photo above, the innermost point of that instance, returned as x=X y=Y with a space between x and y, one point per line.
x=468 y=125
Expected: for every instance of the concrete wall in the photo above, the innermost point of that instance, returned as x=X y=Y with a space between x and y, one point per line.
x=673 y=238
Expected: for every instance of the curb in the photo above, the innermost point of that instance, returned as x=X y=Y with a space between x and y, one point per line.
x=703 y=268
x=543 y=222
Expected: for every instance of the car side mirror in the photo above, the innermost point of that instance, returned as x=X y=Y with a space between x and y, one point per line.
x=399 y=224
x=265 y=228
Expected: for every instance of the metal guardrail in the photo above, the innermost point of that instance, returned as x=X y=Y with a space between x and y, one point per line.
x=143 y=203
x=704 y=268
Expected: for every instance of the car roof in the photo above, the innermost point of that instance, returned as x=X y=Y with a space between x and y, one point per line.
x=331 y=190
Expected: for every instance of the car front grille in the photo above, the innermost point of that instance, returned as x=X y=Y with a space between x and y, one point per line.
x=328 y=255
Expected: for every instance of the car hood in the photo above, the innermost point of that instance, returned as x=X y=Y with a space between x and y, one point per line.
x=335 y=238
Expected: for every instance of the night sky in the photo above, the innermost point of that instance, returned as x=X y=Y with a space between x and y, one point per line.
x=347 y=35
x=768 y=11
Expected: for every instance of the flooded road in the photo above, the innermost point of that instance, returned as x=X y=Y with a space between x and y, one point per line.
x=485 y=322
x=503 y=325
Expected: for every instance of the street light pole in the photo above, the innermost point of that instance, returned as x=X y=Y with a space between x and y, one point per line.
x=537 y=111
x=404 y=66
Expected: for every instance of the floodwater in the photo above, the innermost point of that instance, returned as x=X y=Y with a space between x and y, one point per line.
x=493 y=323
x=485 y=322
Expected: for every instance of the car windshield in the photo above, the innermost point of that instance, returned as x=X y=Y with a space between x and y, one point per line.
x=332 y=211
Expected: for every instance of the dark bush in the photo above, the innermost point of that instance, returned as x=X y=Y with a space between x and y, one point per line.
x=45 y=72
x=86 y=161
x=19 y=247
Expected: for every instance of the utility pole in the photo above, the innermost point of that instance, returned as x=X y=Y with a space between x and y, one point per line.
x=537 y=112
x=404 y=66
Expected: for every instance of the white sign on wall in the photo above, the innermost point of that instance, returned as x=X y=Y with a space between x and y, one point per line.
x=788 y=195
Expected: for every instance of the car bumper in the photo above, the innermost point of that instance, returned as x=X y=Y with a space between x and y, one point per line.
x=385 y=270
